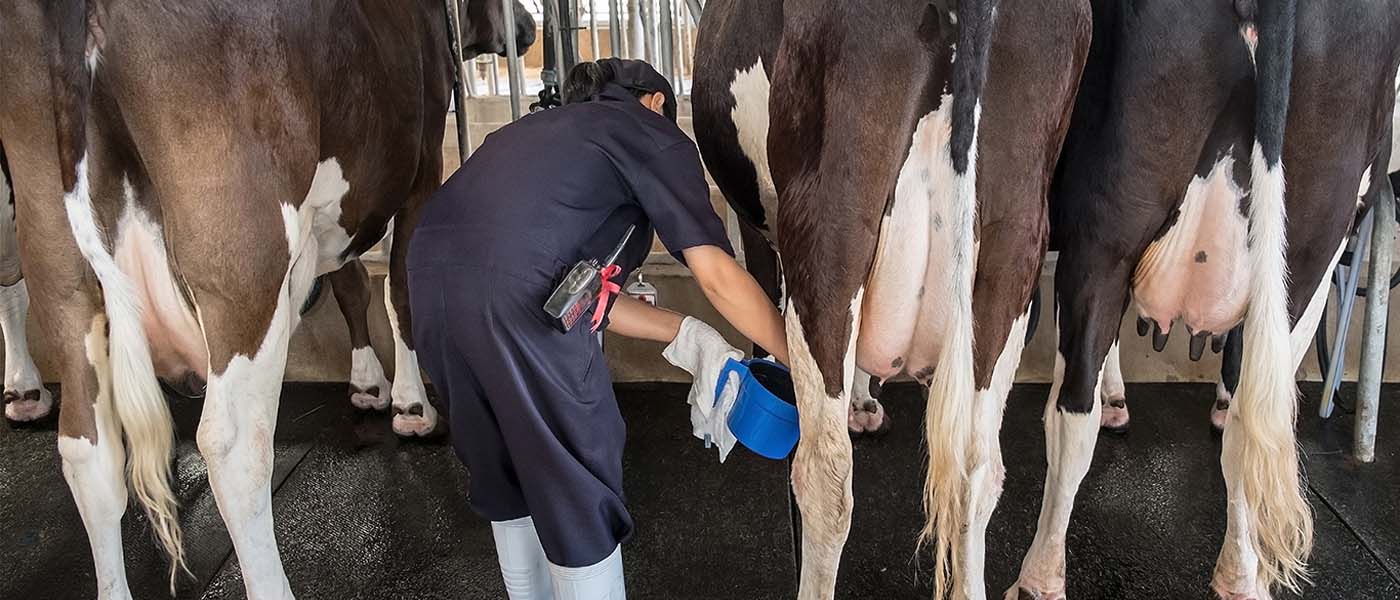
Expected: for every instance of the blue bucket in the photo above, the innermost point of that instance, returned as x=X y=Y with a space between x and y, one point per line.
x=764 y=417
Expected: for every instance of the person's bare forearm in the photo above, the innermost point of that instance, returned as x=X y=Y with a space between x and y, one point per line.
x=735 y=294
x=636 y=319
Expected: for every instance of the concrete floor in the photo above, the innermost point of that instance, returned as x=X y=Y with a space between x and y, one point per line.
x=361 y=514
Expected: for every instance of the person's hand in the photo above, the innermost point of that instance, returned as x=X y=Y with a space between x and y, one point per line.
x=703 y=353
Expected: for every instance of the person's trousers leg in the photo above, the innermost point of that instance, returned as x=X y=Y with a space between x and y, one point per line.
x=600 y=581
x=550 y=395
x=524 y=568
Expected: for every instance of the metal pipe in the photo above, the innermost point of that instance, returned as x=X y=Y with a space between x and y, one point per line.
x=636 y=32
x=513 y=67
x=615 y=28
x=593 y=27
x=683 y=52
x=667 y=41
x=1346 y=300
x=649 y=30
x=493 y=76
x=459 y=80
x=553 y=12
x=1373 y=340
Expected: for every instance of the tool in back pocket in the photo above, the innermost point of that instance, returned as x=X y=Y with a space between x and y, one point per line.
x=586 y=283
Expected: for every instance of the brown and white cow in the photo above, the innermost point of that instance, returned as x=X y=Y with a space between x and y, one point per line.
x=1171 y=194
x=183 y=172
x=911 y=237
x=25 y=397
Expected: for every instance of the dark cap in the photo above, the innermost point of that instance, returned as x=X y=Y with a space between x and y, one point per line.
x=638 y=76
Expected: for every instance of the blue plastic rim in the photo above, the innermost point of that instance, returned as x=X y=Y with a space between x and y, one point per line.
x=764 y=418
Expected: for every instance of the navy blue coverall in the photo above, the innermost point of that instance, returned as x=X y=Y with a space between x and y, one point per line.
x=531 y=410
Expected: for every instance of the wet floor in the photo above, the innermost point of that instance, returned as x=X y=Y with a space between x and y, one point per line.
x=362 y=514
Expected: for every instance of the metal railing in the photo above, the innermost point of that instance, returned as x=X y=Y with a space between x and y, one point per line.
x=661 y=32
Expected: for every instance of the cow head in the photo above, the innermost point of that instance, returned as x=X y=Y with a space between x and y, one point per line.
x=484 y=27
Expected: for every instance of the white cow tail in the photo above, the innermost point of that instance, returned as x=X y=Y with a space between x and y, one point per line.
x=951 y=414
x=137 y=401
x=1260 y=433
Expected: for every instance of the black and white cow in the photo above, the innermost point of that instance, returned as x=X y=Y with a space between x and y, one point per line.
x=183 y=171
x=911 y=237
x=1171 y=193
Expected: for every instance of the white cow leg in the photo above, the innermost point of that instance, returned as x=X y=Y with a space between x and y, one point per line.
x=235 y=437
x=988 y=473
x=369 y=388
x=1112 y=394
x=1231 y=358
x=1069 y=448
x=1237 y=568
x=821 y=467
x=26 y=398
x=90 y=443
x=1220 y=411
x=413 y=414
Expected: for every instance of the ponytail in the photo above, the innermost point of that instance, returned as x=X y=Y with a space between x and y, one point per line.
x=586 y=81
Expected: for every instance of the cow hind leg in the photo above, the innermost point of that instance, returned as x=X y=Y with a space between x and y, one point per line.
x=94 y=457
x=369 y=388
x=1268 y=522
x=414 y=415
x=988 y=472
x=1087 y=325
x=247 y=361
x=866 y=414
x=1229 y=378
x=26 y=398
x=1113 y=394
x=821 y=467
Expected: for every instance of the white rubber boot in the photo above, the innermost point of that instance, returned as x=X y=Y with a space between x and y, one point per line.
x=600 y=581
x=524 y=567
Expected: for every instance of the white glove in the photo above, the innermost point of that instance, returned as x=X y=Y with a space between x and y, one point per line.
x=702 y=352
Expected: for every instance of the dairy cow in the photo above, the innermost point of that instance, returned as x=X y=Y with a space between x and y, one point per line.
x=182 y=173
x=1210 y=176
x=904 y=192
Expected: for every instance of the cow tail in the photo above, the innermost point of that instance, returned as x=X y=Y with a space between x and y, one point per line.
x=126 y=376
x=1259 y=437
x=950 y=417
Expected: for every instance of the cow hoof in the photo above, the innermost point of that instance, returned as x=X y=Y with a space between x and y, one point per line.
x=1220 y=414
x=413 y=425
x=868 y=420
x=375 y=397
x=1020 y=593
x=1224 y=594
x=1114 y=418
x=418 y=419
x=30 y=405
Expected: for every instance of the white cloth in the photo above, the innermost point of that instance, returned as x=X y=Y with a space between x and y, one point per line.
x=524 y=567
x=702 y=352
x=598 y=581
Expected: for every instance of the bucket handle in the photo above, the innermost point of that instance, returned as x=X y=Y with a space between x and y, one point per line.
x=730 y=366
